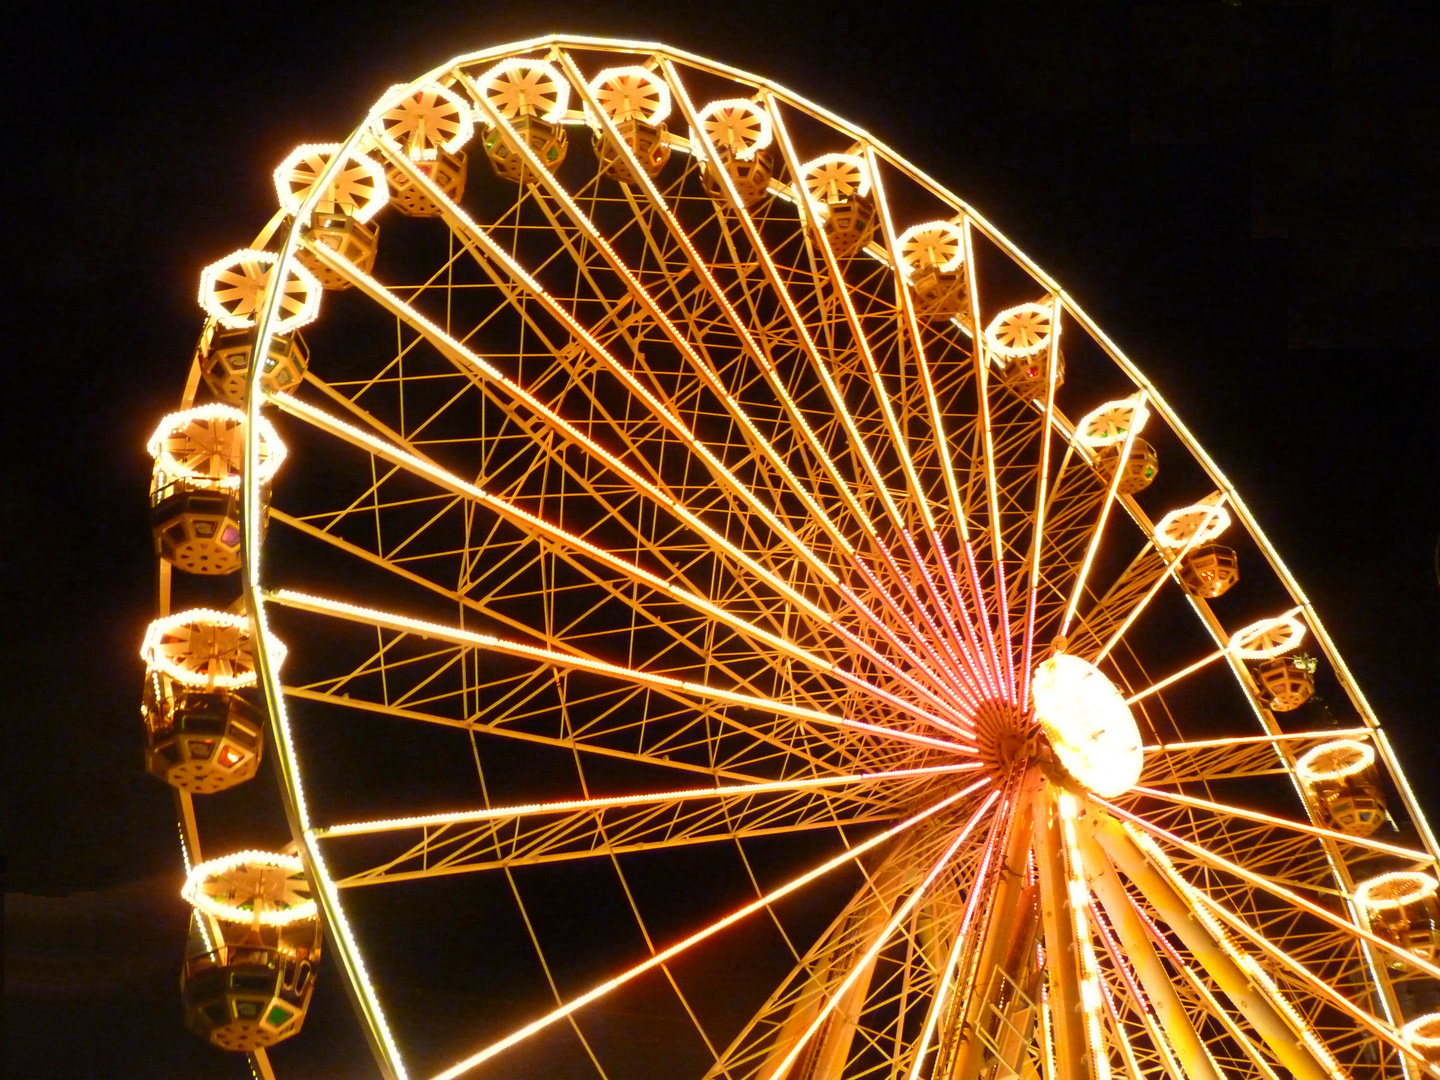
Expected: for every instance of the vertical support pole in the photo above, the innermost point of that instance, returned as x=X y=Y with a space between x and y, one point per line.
x=995 y=934
x=1062 y=950
x=829 y=1048
x=1142 y=958
x=1211 y=954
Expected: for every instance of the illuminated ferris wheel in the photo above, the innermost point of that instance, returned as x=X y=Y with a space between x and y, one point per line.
x=696 y=566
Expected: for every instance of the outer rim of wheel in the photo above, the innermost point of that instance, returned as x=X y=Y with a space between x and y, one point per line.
x=292 y=787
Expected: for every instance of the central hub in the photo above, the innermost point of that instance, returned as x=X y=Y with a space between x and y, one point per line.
x=1088 y=724
x=1003 y=735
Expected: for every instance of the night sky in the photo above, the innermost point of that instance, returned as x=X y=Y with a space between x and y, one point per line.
x=1243 y=196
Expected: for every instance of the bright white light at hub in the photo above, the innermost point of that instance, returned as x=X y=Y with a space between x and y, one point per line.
x=1088 y=723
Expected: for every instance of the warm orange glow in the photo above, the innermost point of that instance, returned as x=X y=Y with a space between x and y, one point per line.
x=422 y=628
x=519 y=87
x=251 y=887
x=204 y=647
x=734 y=124
x=940 y=244
x=1191 y=526
x=357 y=188
x=568 y=806
x=1423 y=1032
x=1023 y=330
x=420 y=121
x=1394 y=890
x=1108 y=424
x=1088 y=724
x=831 y=178
x=1268 y=637
x=1335 y=761
x=205 y=445
x=233 y=288
x=462 y=1067
x=793 y=488
x=631 y=93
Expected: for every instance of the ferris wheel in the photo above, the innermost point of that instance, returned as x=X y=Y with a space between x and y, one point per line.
x=705 y=588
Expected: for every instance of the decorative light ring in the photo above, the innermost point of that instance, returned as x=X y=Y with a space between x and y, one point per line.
x=1335 y=761
x=833 y=178
x=1394 y=890
x=424 y=121
x=357 y=188
x=940 y=244
x=1020 y=331
x=233 y=288
x=630 y=93
x=1112 y=422
x=738 y=124
x=1194 y=525
x=1423 y=1032
x=518 y=87
x=1088 y=724
x=1267 y=638
x=251 y=886
x=205 y=647
x=206 y=443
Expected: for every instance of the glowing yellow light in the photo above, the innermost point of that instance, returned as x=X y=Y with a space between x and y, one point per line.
x=1335 y=761
x=206 y=444
x=736 y=124
x=375 y=616
x=1394 y=890
x=1192 y=525
x=1088 y=724
x=1267 y=637
x=1111 y=422
x=357 y=188
x=424 y=120
x=566 y=1009
x=1423 y=1032
x=1260 y=978
x=833 y=178
x=940 y=244
x=204 y=647
x=250 y=887
x=233 y=288
x=1022 y=330
x=570 y=806
x=631 y=93
x=519 y=87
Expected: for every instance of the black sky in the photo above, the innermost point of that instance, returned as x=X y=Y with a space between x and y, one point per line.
x=1243 y=196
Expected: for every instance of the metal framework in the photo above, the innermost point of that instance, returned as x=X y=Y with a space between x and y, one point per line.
x=729 y=509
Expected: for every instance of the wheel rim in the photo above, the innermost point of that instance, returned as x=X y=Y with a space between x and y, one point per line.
x=849 y=545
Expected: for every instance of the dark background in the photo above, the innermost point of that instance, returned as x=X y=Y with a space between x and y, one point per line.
x=1242 y=195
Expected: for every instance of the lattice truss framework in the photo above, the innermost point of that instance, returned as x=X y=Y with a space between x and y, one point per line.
x=672 y=483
